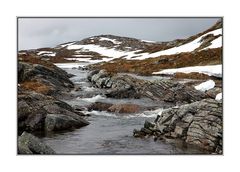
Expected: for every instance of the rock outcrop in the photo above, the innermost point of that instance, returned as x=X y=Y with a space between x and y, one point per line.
x=198 y=123
x=48 y=79
x=29 y=144
x=125 y=86
x=33 y=108
x=40 y=83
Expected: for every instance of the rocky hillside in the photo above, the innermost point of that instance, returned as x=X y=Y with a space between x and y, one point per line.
x=139 y=56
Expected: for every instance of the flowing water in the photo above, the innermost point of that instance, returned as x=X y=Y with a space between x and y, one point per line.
x=109 y=133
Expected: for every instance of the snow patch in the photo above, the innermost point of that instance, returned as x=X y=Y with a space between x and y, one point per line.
x=213 y=70
x=114 y=41
x=109 y=52
x=82 y=55
x=218 y=97
x=215 y=43
x=46 y=53
x=205 y=86
x=148 y=41
x=79 y=59
x=191 y=46
x=131 y=55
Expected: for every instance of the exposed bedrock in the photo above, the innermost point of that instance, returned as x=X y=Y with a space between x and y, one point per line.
x=198 y=123
x=125 y=86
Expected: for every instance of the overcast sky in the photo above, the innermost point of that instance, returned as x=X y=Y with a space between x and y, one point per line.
x=49 y=32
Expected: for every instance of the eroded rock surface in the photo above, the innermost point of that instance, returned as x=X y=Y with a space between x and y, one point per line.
x=198 y=123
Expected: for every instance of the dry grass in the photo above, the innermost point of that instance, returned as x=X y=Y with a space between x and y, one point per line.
x=36 y=86
x=28 y=58
x=148 y=66
x=192 y=75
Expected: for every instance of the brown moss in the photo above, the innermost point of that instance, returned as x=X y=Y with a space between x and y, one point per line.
x=36 y=86
x=192 y=75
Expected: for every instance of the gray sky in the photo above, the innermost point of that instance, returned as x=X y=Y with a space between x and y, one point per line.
x=49 y=32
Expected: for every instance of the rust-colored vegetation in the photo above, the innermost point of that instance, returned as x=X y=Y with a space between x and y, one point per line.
x=36 y=86
x=150 y=65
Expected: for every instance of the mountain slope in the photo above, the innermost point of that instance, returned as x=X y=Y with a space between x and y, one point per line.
x=131 y=55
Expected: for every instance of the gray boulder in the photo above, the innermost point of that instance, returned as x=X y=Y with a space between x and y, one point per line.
x=29 y=144
x=56 y=122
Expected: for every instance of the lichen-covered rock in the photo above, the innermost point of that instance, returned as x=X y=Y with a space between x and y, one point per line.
x=29 y=144
x=198 y=123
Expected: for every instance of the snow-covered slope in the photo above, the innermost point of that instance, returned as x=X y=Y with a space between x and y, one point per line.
x=114 y=51
x=213 y=70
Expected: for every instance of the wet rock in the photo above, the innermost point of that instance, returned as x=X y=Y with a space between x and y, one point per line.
x=124 y=108
x=137 y=133
x=146 y=131
x=56 y=122
x=29 y=144
x=149 y=125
